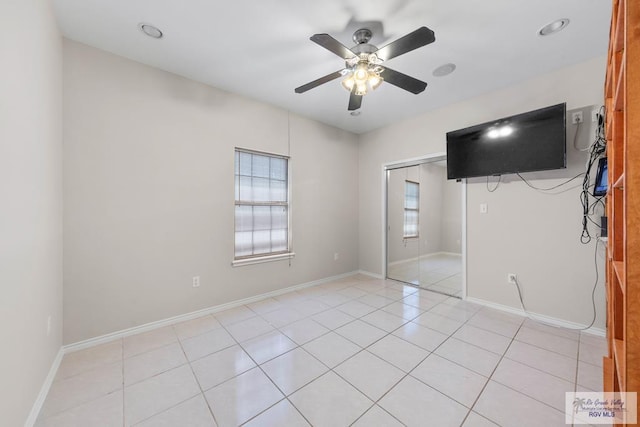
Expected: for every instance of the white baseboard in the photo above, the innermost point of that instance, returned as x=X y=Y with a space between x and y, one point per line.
x=44 y=390
x=91 y=342
x=370 y=274
x=546 y=319
x=404 y=261
x=451 y=254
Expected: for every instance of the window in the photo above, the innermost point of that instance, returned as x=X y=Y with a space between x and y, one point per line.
x=411 y=208
x=262 y=205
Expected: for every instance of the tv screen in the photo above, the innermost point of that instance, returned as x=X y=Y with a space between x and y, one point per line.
x=527 y=142
x=602 y=184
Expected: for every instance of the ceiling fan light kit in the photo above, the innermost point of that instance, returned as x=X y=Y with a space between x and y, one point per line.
x=363 y=71
x=363 y=77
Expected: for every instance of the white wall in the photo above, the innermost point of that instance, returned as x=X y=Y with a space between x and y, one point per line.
x=149 y=194
x=533 y=235
x=30 y=202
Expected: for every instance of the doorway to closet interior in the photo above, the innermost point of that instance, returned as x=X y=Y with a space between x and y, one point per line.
x=424 y=229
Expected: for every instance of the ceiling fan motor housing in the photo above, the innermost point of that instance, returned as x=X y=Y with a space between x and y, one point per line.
x=361 y=36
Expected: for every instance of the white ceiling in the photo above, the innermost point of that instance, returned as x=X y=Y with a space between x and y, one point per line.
x=261 y=48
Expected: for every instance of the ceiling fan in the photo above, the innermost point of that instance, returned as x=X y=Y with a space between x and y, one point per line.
x=363 y=71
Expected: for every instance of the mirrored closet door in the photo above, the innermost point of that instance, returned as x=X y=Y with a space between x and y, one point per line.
x=424 y=227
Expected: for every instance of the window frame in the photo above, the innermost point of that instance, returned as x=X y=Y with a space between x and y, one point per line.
x=268 y=256
x=416 y=210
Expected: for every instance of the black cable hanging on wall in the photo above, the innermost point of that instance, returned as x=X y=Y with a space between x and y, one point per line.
x=596 y=150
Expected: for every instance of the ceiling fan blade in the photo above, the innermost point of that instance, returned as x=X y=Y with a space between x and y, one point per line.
x=333 y=45
x=355 y=101
x=318 y=82
x=403 y=81
x=420 y=37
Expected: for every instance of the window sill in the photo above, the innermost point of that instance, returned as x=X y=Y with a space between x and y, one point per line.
x=261 y=259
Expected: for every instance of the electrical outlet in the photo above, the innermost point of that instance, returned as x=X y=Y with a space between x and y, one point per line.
x=512 y=278
x=577 y=117
x=196 y=281
x=336 y=256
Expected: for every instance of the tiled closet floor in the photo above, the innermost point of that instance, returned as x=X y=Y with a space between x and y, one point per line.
x=358 y=351
x=440 y=272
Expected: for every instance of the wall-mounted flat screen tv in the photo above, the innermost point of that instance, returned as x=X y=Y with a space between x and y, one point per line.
x=528 y=142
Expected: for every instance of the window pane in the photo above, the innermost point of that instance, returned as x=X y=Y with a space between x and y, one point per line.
x=245 y=192
x=411 y=188
x=244 y=218
x=260 y=166
x=278 y=169
x=260 y=187
x=411 y=195
x=243 y=243
x=261 y=242
x=278 y=191
x=410 y=223
x=245 y=164
x=279 y=217
x=411 y=203
x=279 y=240
x=262 y=217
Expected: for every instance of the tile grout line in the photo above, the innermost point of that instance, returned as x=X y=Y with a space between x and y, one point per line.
x=87 y=401
x=406 y=374
x=425 y=358
x=490 y=376
x=301 y=346
x=513 y=389
x=196 y=378
x=163 y=372
x=530 y=344
x=362 y=349
x=285 y=397
x=123 y=399
x=575 y=383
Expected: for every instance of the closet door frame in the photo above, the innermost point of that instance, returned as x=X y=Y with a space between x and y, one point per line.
x=435 y=157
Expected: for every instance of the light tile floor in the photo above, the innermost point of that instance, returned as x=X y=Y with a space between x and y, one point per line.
x=358 y=351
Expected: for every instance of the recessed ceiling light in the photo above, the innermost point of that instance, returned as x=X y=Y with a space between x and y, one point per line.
x=553 y=27
x=150 y=30
x=355 y=113
x=444 y=70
